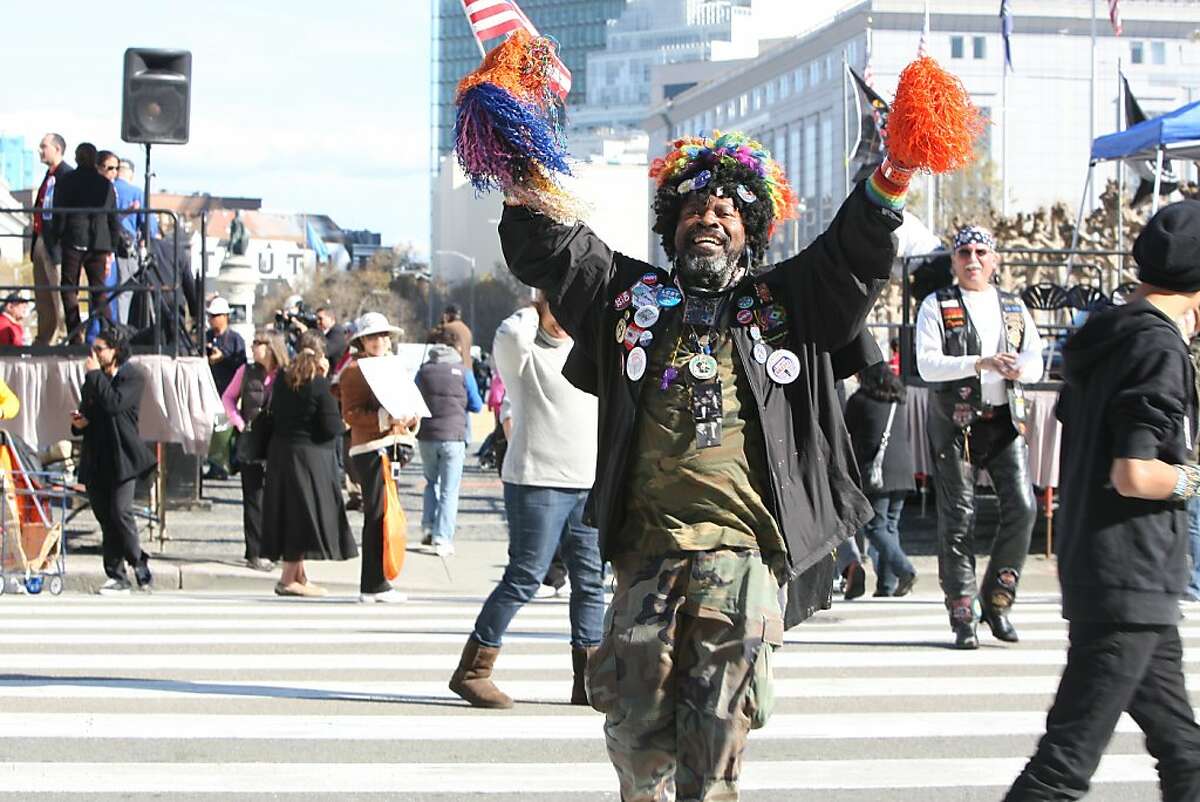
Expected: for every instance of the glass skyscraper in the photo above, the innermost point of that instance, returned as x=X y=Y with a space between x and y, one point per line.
x=16 y=163
x=578 y=25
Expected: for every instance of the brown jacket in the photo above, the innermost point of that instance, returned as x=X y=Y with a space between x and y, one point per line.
x=360 y=410
x=459 y=336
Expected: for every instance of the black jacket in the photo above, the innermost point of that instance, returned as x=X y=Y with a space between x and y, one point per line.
x=1129 y=393
x=99 y=231
x=307 y=414
x=866 y=418
x=827 y=291
x=113 y=450
x=48 y=235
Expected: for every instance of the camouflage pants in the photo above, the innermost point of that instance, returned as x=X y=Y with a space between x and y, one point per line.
x=682 y=675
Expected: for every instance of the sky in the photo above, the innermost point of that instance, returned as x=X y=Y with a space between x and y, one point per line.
x=315 y=107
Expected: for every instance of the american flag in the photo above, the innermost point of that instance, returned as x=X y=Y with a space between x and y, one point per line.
x=494 y=18
x=1114 y=15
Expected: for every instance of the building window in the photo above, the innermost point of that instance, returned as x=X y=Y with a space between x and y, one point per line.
x=852 y=53
x=810 y=161
x=770 y=93
x=956 y=47
x=828 y=68
x=979 y=48
x=799 y=79
x=785 y=87
x=758 y=97
x=708 y=120
x=744 y=104
x=1137 y=52
x=720 y=114
x=731 y=110
x=1158 y=52
x=814 y=73
x=826 y=157
x=793 y=156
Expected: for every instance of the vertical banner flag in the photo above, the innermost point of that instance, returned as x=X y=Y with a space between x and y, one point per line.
x=1147 y=168
x=1006 y=29
x=491 y=19
x=873 y=124
x=1114 y=15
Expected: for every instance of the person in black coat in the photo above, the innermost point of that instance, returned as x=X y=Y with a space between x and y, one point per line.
x=113 y=456
x=88 y=238
x=304 y=516
x=867 y=414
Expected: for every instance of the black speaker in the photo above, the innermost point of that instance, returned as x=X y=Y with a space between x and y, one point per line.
x=156 y=99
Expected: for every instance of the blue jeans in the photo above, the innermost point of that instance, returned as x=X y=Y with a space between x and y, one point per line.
x=883 y=533
x=539 y=519
x=1194 y=536
x=442 y=464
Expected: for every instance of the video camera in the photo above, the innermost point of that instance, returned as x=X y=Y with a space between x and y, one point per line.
x=298 y=314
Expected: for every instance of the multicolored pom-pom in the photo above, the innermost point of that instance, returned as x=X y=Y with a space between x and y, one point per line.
x=509 y=129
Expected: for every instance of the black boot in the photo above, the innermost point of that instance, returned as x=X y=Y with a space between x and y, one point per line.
x=964 y=635
x=997 y=621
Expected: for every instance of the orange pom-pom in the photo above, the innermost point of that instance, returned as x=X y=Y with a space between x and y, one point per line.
x=933 y=123
x=502 y=67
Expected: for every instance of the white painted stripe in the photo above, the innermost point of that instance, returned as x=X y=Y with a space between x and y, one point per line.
x=373 y=624
x=24 y=662
x=473 y=780
x=551 y=689
x=585 y=725
x=347 y=610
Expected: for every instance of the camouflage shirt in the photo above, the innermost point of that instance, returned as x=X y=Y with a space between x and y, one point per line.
x=679 y=497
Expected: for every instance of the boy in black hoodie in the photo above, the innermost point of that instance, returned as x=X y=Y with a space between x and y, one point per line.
x=1128 y=411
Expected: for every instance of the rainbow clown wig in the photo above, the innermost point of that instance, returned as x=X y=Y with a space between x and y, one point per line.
x=730 y=165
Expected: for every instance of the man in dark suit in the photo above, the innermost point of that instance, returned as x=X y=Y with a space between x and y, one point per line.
x=88 y=239
x=114 y=456
x=45 y=251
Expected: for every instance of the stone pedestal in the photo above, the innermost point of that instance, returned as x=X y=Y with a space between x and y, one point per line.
x=236 y=283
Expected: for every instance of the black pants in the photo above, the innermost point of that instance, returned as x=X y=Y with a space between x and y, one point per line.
x=1008 y=465
x=1115 y=668
x=253 y=477
x=369 y=468
x=112 y=504
x=93 y=262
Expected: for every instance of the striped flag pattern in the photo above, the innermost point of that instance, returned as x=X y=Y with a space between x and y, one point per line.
x=491 y=19
x=1114 y=15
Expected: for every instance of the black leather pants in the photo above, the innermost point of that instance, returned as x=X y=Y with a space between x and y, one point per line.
x=954 y=481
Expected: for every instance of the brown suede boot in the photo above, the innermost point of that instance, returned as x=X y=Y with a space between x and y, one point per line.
x=579 y=661
x=472 y=679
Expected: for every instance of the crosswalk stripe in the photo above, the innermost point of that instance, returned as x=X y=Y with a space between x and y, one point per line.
x=586 y=726
x=788 y=658
x=515 y=778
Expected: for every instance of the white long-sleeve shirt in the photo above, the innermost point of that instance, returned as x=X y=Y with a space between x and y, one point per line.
x=983 y=309
x=553 y=441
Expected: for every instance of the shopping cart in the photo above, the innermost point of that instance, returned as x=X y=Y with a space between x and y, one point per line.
x=33 y=505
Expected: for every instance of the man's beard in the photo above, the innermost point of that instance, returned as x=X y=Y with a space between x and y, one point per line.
x=709 y=273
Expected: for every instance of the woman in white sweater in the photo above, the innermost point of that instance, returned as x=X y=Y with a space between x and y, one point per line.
x=548 y=471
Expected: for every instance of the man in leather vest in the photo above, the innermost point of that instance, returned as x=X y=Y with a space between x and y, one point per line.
x=976 y=346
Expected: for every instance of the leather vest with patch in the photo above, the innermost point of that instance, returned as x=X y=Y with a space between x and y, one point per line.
x=961 y=401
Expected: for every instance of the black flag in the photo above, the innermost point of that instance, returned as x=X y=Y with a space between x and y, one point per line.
x=873 y=123
x=1145 y=169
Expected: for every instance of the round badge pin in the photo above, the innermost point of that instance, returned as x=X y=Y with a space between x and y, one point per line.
x=650 y=279
x=623 y=300
x=635 y=364
x=621 y=330
x=669 y=296
x=783 y=366
x=745 y=302
x=646 y=317
x=744 y=316
x=646 y=338
x=755 y=333
x=702 y=367
x=761 y=352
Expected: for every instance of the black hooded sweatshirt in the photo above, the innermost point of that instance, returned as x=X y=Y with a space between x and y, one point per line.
x=1129 y=392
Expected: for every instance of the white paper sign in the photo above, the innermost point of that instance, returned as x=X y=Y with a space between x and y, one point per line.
x=393 y=385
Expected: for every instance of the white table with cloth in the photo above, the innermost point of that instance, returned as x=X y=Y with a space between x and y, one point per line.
x=179 y=405
x=1043 y=434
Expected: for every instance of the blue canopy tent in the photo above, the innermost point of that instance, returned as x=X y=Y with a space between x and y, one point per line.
x=1175 y=134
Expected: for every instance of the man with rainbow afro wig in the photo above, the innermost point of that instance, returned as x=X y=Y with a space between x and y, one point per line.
x=724 y=470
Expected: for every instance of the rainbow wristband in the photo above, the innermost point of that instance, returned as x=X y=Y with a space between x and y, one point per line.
x=888 y=185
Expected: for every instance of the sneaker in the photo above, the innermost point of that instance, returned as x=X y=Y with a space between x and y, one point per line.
x=443 y=549
x=114 y=587
x=563 y=590
x=392 y=596
x=260 y=564
x=545 y=592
